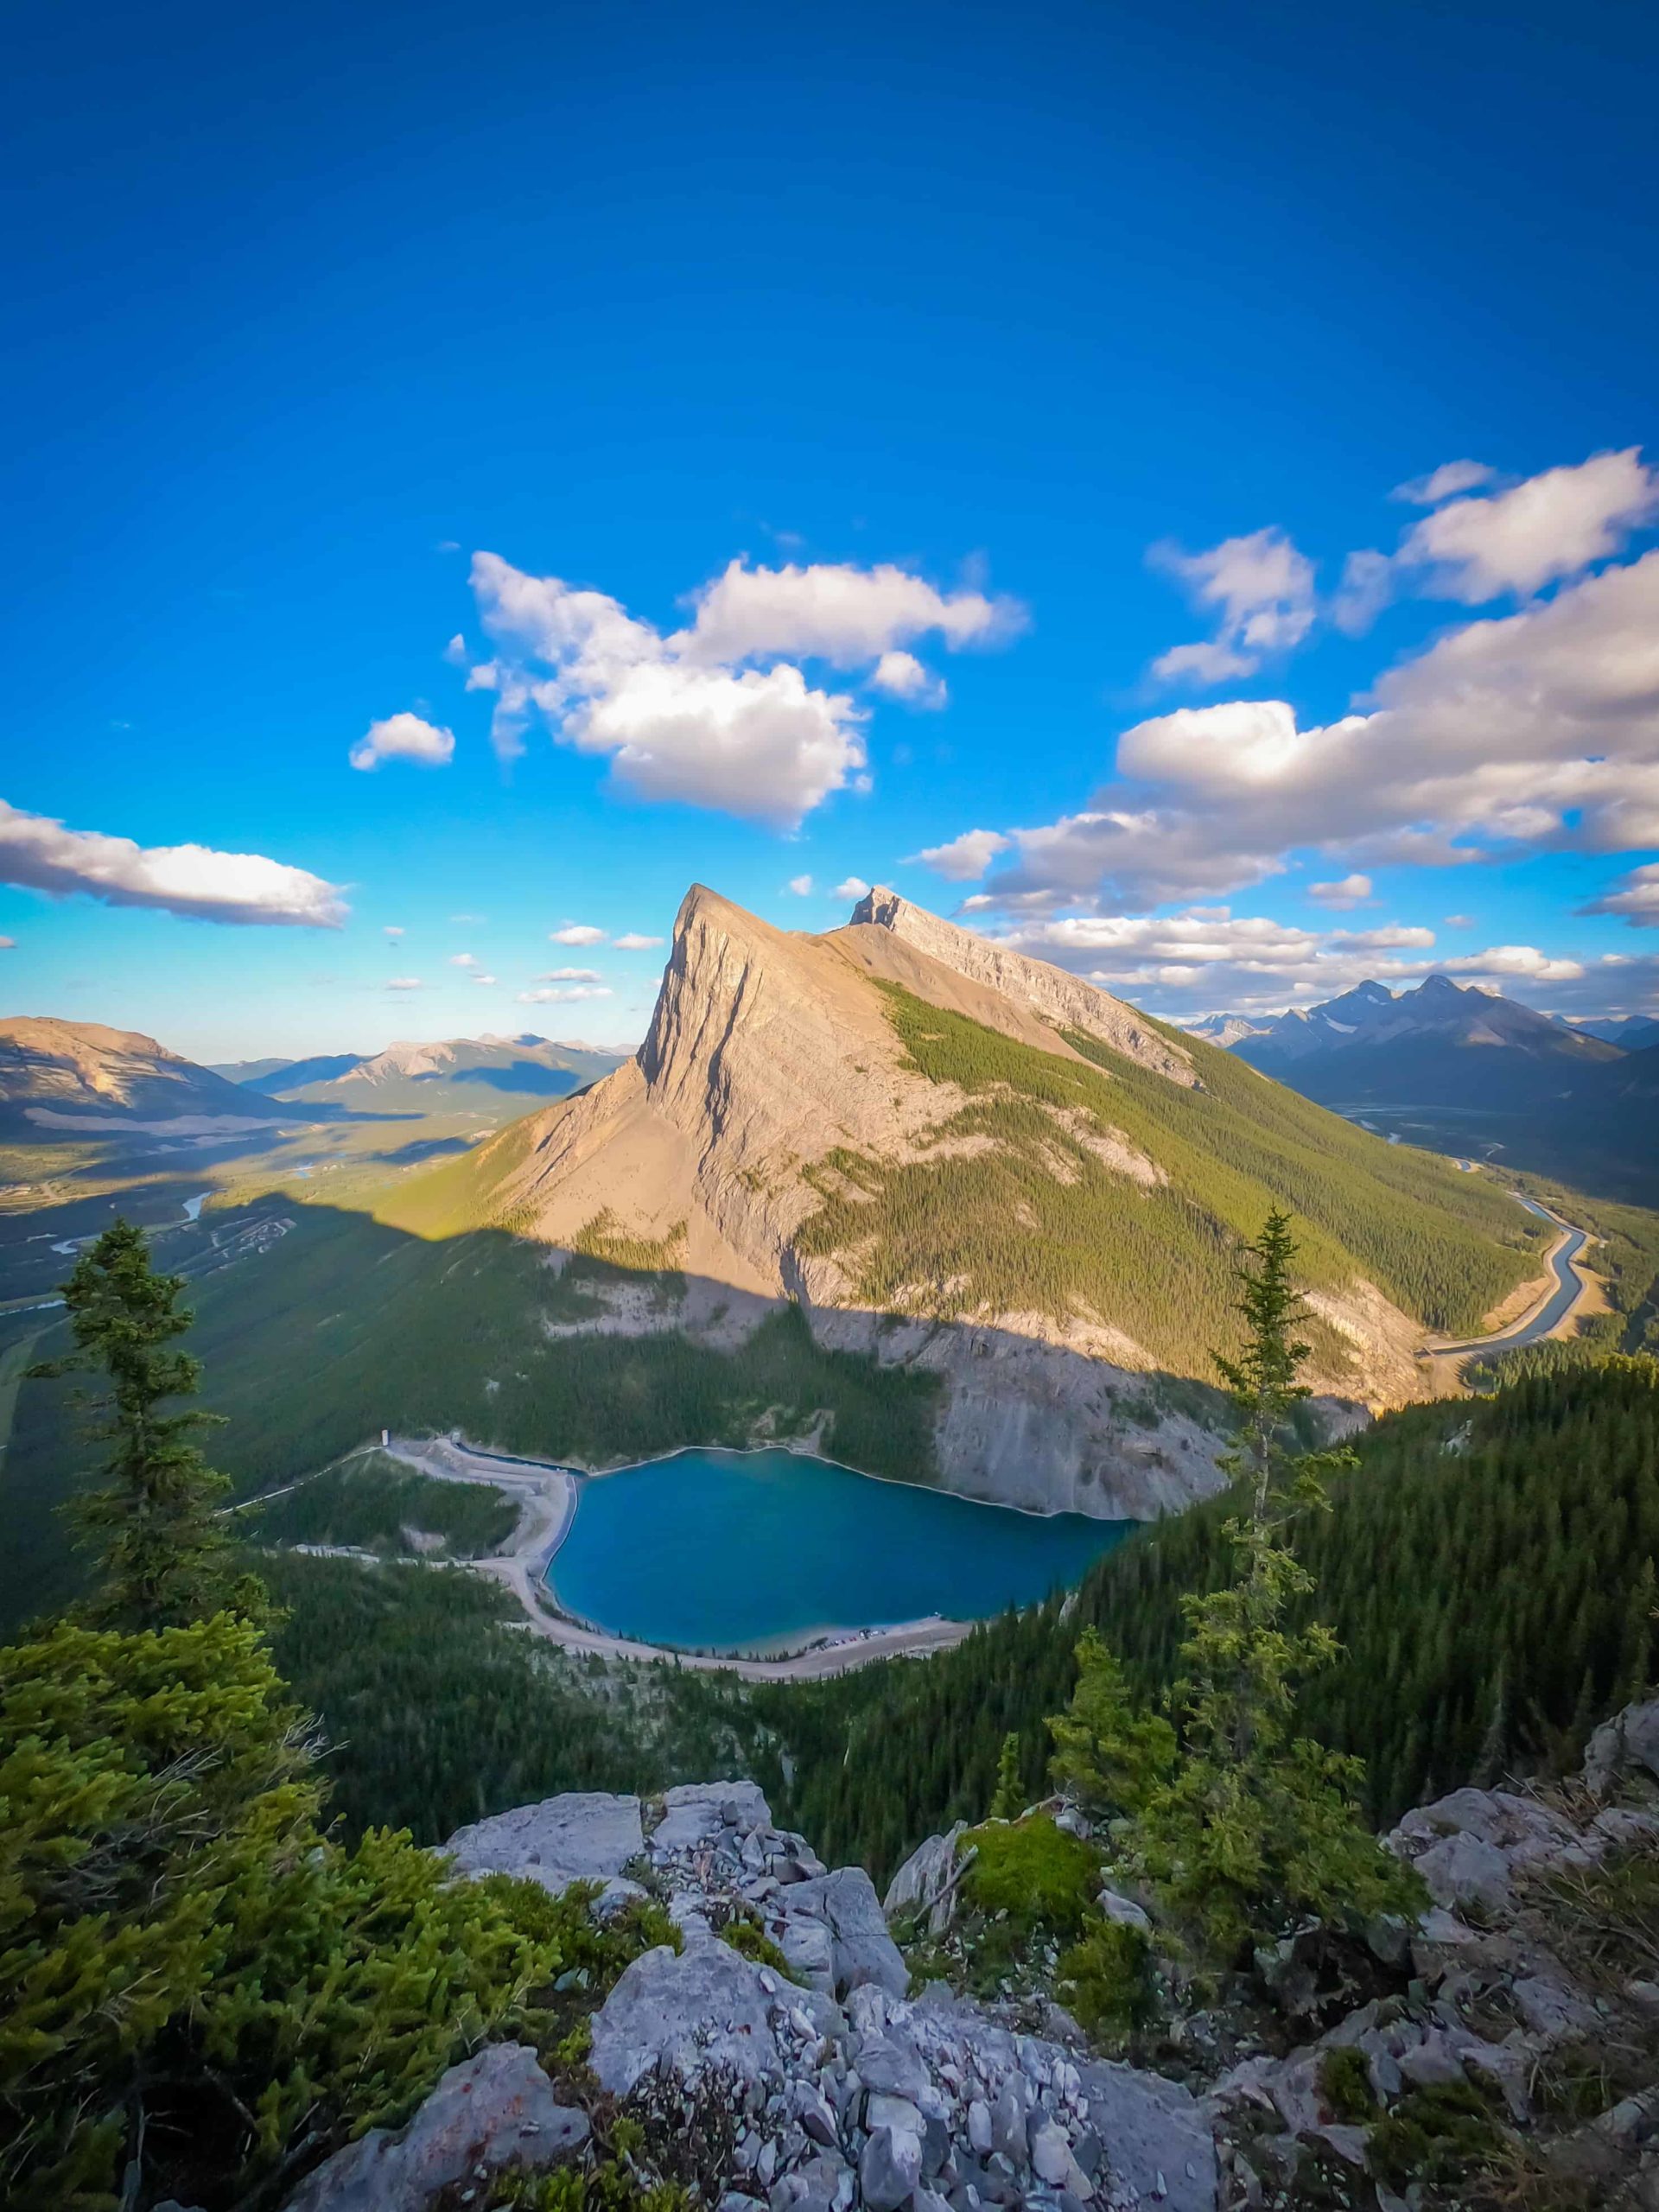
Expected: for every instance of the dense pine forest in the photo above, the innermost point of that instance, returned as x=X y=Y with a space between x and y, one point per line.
x=1489 y=1567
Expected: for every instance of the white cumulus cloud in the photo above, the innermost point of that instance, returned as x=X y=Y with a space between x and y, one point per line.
x=1553 y=525
x=1262 y=588
x=1209 y=959
x=800 y=884
x=576 y=933
x=901 y=675
x=405 y=983
x=1504 y=543
x=847 y=616
x=1537 y=731
x=716 y=715
x=562 y=993
x=851 y=886
x=404 y=737
x=965 y=858
x=571 y=975
x=39 y=853
x=1636 y=896
x=1347 y=891
x=1444 y=483
x=634 y=941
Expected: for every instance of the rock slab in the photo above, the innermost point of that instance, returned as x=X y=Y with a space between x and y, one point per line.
x=497 y=2110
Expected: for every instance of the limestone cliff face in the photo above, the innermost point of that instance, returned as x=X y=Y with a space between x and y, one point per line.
x=767 y=1052
x=1052 y=994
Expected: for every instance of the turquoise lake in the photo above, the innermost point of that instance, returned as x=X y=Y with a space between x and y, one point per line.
x=735 y=1551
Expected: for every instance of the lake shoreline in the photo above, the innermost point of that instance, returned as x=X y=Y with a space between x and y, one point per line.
x=549 y=1494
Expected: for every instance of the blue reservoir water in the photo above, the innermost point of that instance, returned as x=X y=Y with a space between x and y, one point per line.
x=736 y=1551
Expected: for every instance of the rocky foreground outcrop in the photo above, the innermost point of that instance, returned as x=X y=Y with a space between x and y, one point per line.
x=785 y=2031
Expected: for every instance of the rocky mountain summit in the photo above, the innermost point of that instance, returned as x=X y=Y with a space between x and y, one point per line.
x=775 y=2052
x=997 y=1198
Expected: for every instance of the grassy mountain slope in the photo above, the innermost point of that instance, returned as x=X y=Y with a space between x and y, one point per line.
x=1018 y=1208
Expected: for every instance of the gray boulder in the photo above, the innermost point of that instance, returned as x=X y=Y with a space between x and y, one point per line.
x=1157 y=2145
x=1123 y=1912
x=863 y=1953
x=1465 y=1870
x=685 y=2012
x=922 y=1884
x=697 y=1813
x=584 y=1836
x=1629 y=1741
x=497 y=2110
x=891 y=2067
x=889 y=2167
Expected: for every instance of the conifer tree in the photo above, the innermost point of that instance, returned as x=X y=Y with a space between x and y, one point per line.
x=164 y=1557
x=1010 y=1800
x=1107 y=1754
x=1256 y=1823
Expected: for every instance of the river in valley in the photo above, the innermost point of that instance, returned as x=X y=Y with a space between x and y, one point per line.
x=759 y=1551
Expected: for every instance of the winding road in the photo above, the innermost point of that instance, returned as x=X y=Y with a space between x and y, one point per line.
x=1557 y=1304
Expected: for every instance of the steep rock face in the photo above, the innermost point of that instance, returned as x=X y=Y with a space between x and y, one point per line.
x=770 y=1053
x=1067 y=1001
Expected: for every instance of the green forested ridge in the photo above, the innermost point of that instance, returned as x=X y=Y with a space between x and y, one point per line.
x=349 y=1326
x=1489 y=1568
x=997 y=1228
x=372 y=1502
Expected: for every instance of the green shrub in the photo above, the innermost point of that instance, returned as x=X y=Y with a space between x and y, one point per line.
x=1345 y=2084
x=1105 y=1980
x=1035 y=1872
x=749 y=1939
x=190 y=1973
x=1442 y=2134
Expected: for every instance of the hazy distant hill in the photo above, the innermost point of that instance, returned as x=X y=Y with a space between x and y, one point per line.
x=81 y=1078
x=1227 y=1029
x=1634 y=1033
x=456 y=1075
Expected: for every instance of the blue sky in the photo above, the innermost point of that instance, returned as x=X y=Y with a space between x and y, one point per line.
x=1006 y=350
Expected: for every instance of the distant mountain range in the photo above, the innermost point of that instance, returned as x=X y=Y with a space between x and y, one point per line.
x=1635 y=1031
x=79 y=1078
x=1570 y=1098
x=456 y=1075
x=1442 y=1044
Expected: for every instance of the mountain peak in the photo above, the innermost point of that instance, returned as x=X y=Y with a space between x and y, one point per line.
x=1053 y=994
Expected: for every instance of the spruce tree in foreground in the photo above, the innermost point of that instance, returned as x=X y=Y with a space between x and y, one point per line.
x=165 y=1558
x=1240 y=1824
x=1257 y=1825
